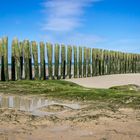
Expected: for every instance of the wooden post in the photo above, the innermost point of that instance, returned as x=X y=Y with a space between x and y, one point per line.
x=30 y=62
x=69 y=61
x=136 y=63
x=63 y=61
x=116 y=62
x=132 y=64
x=100 y=61
x=49 y=55
x=17 y=58
x=129 y=63
x=75 y=61
x=27 y=59
x=125 y=62
x=123 y=65
x=93 y=62
x=85 y=63
x=13 y=62
x=35 y=58
x=42 y=61
x=110 y=62
x=103 y=62
x=107 y=62
x=120 y=63
x=118 y=59
x=97 y=62
x=80 y=62
x=89 y=62
x=21 y=59
x=0 y=57
x=57 y=48
x=5 y=52
x=0 y=49
x=113 y=62
x=2 y=62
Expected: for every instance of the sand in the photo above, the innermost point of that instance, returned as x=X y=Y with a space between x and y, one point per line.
x=90 y=122
x=64 y=120
x=86 y=124
x=107 y=81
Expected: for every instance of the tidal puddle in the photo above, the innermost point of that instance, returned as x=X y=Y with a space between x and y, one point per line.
x=32 y=104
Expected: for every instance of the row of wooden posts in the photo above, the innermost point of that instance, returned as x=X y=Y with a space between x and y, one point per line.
x=60 y=61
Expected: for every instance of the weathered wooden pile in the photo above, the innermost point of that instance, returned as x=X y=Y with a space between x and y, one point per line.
x=46 y=61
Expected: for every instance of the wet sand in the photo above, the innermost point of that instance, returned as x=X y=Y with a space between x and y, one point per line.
x=65 y=121
x=107 y=81
x=100 y=125
x=28 y=117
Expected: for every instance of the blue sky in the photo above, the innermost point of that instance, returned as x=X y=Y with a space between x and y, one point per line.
x=106 y=24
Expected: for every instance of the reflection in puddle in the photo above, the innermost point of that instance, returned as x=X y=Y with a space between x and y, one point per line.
x=31 y=104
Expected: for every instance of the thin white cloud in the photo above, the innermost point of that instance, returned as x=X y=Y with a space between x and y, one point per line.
x=78 y=39
x=81 y=39
x=64 y=15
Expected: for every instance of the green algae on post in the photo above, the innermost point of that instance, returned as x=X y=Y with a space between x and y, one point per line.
x=89 y=62
x=57 y=49
x=26 y=59
x=1 y=54
x=85 y=63
x=42 y=61
x=5 y=58
x=17 y=59
x=63 y=61
x=80 y=62
x=75 y=61
x=69 y=61
x=35 y=58
x=49 y=55
x=21 y=59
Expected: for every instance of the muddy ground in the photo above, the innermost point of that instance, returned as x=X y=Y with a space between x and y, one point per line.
x=86 y=123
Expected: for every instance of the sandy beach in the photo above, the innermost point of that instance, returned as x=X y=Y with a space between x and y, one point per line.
x=83 y=124
x=107 y=81
x=37 y=117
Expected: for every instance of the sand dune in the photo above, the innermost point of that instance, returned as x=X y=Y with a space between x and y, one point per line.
x=107 y=81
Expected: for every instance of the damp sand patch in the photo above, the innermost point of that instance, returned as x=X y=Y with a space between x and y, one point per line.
x=38 y=118
x=35 y=105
